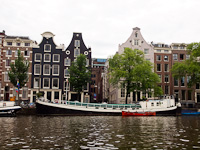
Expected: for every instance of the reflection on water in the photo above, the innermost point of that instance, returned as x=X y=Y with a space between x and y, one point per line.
x=100 y=132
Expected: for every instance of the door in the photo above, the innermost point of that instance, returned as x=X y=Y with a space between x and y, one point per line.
x=49 y=96
x=7 y=93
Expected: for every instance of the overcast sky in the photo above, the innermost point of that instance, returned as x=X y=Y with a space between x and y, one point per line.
x=104 y=24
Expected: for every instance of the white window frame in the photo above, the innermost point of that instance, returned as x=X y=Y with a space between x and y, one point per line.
x=160 y=68
x=40 y=57
x=54 y=57
x=65 y=74
x=176 y=56
x=136 y=42
x=6 y=77
x=54 y=69
x=6 y=64
x=25 y=92
x=35 y=82
x=44 y=66
x=75 y=52
x=69 y=62
x=28 y=52
x=45 y=57
x=35 y=69
x=68 y=85
x=48 y=83
x=77 y=43
x=166 y=57
x=53 y=82
x=167 y=68
x=45 y=48
x=167 y=78
x=7 y=54
x=157 y=57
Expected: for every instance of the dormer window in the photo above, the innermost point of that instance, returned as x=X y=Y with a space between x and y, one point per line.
x=136 y=34
x=47 y=47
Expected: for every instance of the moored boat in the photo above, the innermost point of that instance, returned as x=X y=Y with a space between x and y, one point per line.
x=166 y=106
x=8 y=108
x=128 y=113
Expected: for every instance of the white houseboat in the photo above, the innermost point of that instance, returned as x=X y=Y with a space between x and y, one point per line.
x=8 y=108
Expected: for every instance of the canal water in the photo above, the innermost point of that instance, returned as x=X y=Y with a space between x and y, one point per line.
x=99 y=132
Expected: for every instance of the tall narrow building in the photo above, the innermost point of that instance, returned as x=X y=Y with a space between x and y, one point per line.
x=47 y=70
x=75 y=48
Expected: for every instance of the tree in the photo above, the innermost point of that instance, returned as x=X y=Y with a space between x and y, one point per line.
x=79 y=74
x=133 y=72
x=189 y=67
x=18 y=73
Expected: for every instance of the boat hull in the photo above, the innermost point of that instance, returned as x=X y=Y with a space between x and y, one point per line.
x=9 y=111
x=43 y=108
x=127 y=113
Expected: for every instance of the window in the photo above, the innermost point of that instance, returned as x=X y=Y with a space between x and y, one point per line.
x=66 y=74
x=158 y=57
x=166 y=51
x=36 y=82
x=56 y=95
x=76 y=52
x=67 y=62
x=182 y=47
x=8 y=52
x=47 y=47
x=175 y=82
x=46 y=82
x=166 y=67
x=183 y=81
x=175 y=47
x=55 y=69
x=25 y=93
x=87 y=62
x=146 y=51
x=136 y=34
x=66 y=84
x=166 y=78
x=166 y=58
x=9 y=43
x=26 y=53
x=16 y=53
x=187 y=56
x=158 y=67
x=136 y=42
x=56 y=58
x=77 y=43
x=55 y=83
x=37 y=69
x=158 y=50
x=38 y=57
x=18 y=44
x=181 y=56
x=189 y=95
x=46 y=69
x=175 y=56
x=160 y=77
x=122 y=92
x=8 y=61
x=183 y=94
x=27 y=44
x=6 y=77
x=166 y=89
x=47 y=57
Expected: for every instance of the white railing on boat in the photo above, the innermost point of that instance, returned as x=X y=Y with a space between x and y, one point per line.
x=100 y=105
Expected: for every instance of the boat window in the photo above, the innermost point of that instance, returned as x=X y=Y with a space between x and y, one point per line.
x=152 y=104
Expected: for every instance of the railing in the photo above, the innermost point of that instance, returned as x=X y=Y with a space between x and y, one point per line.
x=104 y=106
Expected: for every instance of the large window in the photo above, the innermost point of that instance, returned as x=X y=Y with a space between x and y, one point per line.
x=181 y=56
x=47 y=47
x=38 y=57
x=175 y=56
x=136 y=42
x=8 y=52
x=166 y=58
x=55 y=83
x=36 y=82
x=46 y=69
x=55 y=69
x=37 y=69
x=166 y=78
x=175 y=82
x=183 y=81
x=46 y=82
x=26 y=53
x=8 y=61
x=166 y=67
x=56 y=58
x=76 y=52
x=47 y=57
x=67 y=62
x=77 y=43
x=25 y=92
x=158 y=57
x=66 y=74
x=159 y=67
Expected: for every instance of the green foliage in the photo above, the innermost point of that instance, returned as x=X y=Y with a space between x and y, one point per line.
x=130 y=69
x=19 y=71
x=79 y=74
x=190 y=67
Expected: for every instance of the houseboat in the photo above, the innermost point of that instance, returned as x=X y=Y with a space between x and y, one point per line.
x=8 y=108
x=165 y=106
